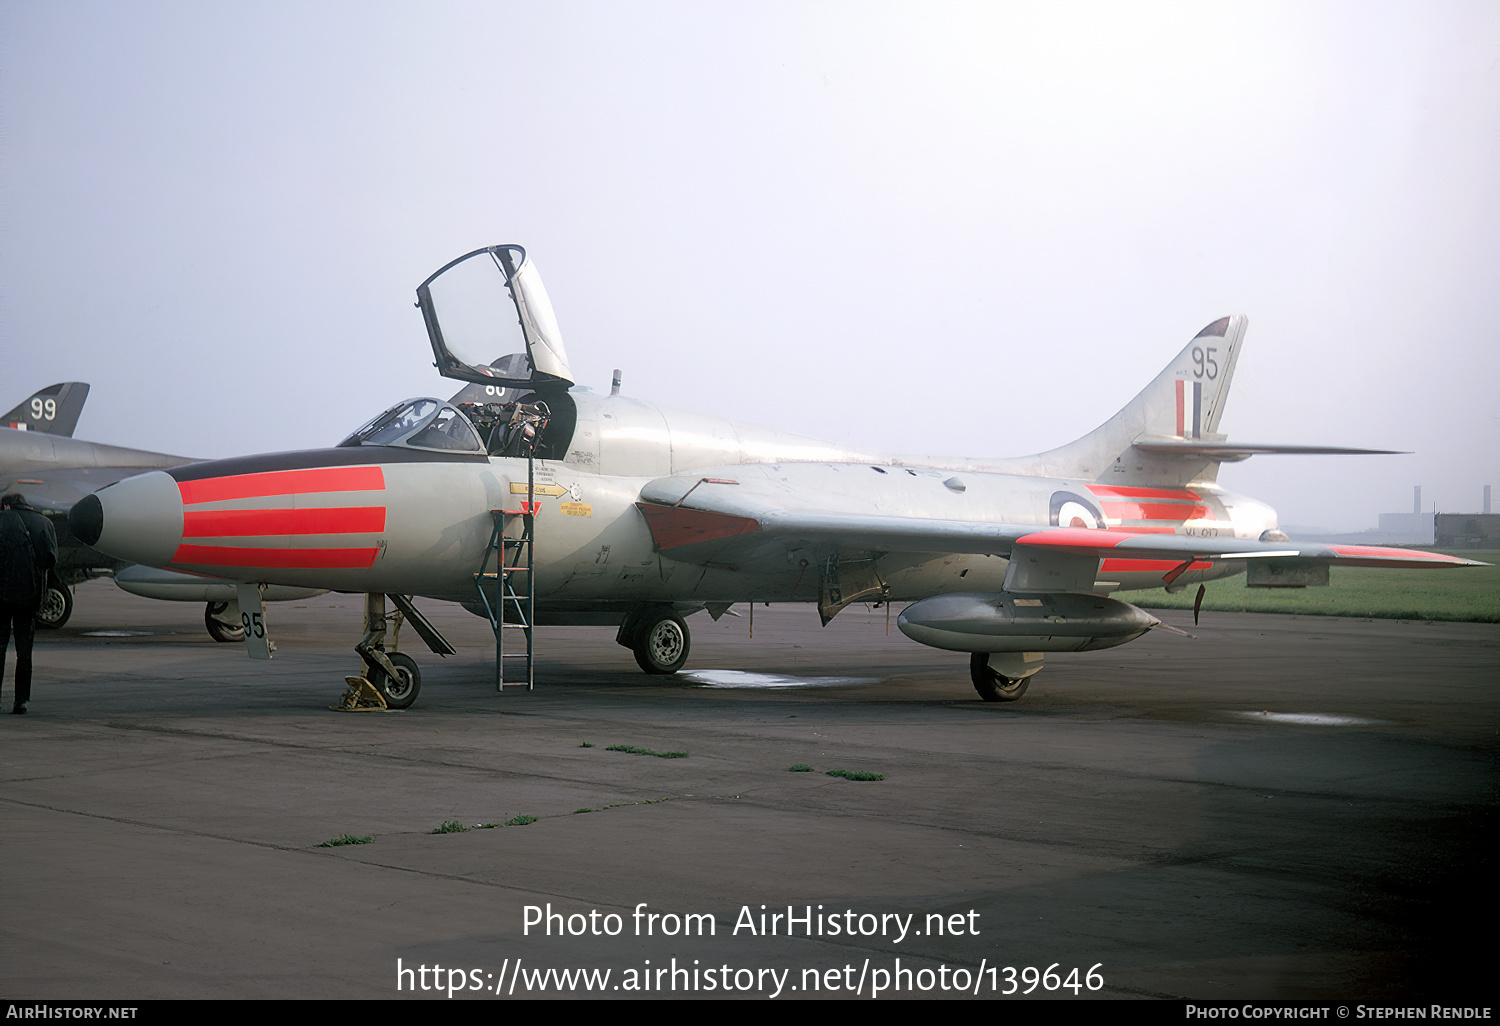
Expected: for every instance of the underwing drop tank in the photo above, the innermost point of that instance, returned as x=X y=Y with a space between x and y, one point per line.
x=998 y=621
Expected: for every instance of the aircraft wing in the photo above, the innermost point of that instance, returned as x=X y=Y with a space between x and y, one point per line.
x=1130 y=545
x=54 y=491
x=718 y=521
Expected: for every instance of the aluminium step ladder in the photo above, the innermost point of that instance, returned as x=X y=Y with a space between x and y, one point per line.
x=508 y=591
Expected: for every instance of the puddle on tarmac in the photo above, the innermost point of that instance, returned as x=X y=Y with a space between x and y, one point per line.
x=121 y=634
x=1309 y=719
x=745 y=679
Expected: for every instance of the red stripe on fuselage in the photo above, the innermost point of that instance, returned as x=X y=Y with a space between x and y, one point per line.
x=1114 y=492
x=278 y=559
x=282 y=482
x=248 y=523
x=1154 y=511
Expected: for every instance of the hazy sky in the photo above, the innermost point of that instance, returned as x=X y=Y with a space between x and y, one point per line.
x=948 y=228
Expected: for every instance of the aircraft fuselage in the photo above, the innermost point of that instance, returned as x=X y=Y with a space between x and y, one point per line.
x=388 y=519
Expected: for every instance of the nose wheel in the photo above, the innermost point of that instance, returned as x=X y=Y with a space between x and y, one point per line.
x=399 y=688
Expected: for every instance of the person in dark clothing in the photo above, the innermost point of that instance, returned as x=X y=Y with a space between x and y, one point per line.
x=28 y=549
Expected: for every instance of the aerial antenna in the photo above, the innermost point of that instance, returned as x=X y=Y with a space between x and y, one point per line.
x=614 y=386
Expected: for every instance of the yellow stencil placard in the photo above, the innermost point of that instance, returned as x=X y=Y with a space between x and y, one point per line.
x=576 y=509
x=519 y=488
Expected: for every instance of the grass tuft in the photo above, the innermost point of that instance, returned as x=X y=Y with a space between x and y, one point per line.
x=345 y=839
x=577 y=811
x=855 y=774
x=801 y=767
x=453 y=826
x=585 y=745
x=520 y=820
x=633 y=750
x=621 y=805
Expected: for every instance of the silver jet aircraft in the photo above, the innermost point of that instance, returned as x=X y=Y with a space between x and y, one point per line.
x=638 y=515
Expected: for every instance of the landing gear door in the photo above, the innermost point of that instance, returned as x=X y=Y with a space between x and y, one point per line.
x=490 y=321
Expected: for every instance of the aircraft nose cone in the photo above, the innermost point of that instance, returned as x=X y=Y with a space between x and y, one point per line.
x=86 y=519
x=138 y=519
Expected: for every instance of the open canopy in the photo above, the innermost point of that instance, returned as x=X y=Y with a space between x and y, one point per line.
x=490 y=321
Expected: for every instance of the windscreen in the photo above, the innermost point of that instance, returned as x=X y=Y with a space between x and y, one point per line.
x=419 y=424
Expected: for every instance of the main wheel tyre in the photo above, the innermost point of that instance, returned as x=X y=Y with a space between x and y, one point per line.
x=221 y=630
x=661 y=642
x=56 y=607
x=401 y=691
x=993 y=687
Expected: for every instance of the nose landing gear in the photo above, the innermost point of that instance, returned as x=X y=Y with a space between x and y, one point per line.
x=389 y=680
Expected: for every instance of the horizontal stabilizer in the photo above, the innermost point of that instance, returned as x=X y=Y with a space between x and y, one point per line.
x=1227 y=452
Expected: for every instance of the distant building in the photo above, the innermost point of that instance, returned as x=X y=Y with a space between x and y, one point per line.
x=1407 y=528
x=1444 y=530
x=1467 y=530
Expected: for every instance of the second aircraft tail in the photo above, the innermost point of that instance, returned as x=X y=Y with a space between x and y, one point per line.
x=54 y=410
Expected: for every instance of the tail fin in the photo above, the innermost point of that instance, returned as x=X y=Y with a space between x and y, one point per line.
x=54 y=410
x=1182 y=405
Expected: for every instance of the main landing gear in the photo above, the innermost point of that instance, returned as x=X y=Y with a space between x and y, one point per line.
x=658 y=637
x=56 y=605
x=223 y=621
x=1003 y=676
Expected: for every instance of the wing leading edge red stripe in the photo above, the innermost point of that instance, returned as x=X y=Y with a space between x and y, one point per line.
x=1141 y=565
x=282 y=482
x=1377 y=556
x=249 y=523
x=279 y=559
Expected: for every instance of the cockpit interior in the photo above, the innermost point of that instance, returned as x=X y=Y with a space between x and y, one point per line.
x=529 y=424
